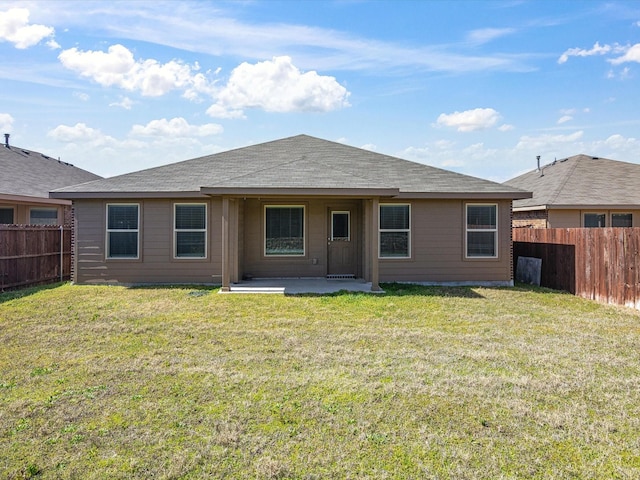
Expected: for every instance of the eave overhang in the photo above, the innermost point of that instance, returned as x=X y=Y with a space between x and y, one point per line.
x=300 y=192
x=585 y=207
x=9 y=198
x=468 y=195
x=110 y=195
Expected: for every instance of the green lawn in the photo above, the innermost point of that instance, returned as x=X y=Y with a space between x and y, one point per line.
x=446 y=383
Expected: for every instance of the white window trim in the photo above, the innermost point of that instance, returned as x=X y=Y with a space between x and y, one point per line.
x=333 y=212
x=107 y=246
x=478 y=230
x=176 y=230
x=381 y=230
x=304 y=231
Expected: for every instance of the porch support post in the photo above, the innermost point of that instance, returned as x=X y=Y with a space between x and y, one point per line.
x=374 y=245
x=226 y=271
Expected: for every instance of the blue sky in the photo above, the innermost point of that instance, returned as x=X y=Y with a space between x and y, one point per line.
x=477 y=87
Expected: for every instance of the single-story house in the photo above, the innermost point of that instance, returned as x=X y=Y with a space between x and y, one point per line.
x=26 y=180
x=579 y=191
x=295 y=207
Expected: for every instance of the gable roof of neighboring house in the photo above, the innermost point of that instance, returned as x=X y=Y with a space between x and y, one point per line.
x=579 y=181
x=299 y=165
x=26 y=173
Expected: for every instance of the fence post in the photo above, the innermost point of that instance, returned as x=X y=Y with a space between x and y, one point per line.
x=61 y=253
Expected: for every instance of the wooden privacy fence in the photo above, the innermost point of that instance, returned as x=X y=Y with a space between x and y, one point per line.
x=31 y=254
x=598 y=263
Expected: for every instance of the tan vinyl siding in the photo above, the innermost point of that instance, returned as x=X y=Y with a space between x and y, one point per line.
x=156 y=263
x=438 y=255
x=256 y=264
x=573 y=218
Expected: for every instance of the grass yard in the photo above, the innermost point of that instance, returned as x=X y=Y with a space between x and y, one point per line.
x=442 y=383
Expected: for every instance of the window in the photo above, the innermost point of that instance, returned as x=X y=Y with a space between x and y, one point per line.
x=621 y=220
x=592 y=220
x=43 y=216
x=6 y=215
x=122 y=230
x=482 y=231
x=284 y=230
x=190 y=227
x=395 y=231
x=340 y=226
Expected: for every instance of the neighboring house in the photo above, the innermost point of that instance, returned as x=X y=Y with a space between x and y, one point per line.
x=26 y=180
x=296 y=207
x=579 y=191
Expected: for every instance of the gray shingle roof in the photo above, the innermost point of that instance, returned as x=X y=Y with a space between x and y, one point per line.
x=32 y=174
x=581 y=180
x=299 y=162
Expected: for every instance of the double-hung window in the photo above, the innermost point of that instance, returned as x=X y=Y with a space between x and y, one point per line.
x=482 y=230
x=190 y=230
x=284 y=230
x=395 y=231
x=123 y=222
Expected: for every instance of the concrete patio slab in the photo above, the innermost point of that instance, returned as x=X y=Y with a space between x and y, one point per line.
x=296 y=286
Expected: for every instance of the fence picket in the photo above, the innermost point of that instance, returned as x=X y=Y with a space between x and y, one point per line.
x=30 y=254
x=597 y=263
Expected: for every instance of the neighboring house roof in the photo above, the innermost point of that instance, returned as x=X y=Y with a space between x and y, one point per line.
x=580 y=181
x=26 y=173
x=300 y=165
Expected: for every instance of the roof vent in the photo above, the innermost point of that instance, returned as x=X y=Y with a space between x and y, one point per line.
x=539 y=169
x=6 y=140
x=595 y=158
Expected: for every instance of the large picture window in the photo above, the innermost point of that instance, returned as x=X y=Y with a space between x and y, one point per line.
x=395 y=231
x=284 y=230
x=122 y=230
x=482 y=231
x=190 y=230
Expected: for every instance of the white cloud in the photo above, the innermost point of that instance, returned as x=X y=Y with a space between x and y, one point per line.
x=176 y=127
x=506 y=127
x=117 y=67
x=580 y=52
x=546 y=141
x=632 y=54
x=80 y=132
x=277 y=86
x=6 y=123
x=564 y=119
x=370 y=146
x=15 y=28
x=470 y=120
x=125 y=102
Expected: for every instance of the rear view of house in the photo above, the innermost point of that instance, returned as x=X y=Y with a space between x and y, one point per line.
x=26 y=180
x=295 y=207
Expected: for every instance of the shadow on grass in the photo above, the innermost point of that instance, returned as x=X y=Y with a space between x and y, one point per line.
x=12 y=294
x=401 y=290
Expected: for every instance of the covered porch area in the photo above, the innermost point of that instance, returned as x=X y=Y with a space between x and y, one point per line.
x=300 y=241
